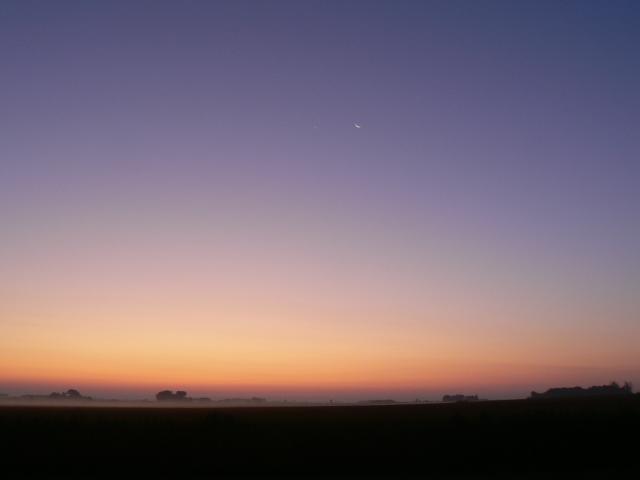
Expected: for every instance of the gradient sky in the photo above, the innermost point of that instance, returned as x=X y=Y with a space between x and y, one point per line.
x=186 y=202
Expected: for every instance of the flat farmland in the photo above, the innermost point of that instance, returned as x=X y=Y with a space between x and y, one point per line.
x=520 y=438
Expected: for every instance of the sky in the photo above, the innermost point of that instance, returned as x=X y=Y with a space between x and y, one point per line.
x=319 y=199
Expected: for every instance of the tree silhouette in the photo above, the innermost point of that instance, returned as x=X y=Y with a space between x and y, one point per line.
x=168 y=395
x=73 y=393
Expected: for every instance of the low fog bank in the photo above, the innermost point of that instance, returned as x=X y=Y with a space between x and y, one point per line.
x=110 y=403
x=163 y=399
x=181 y=399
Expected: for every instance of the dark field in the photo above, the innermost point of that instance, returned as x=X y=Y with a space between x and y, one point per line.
x=508 y=439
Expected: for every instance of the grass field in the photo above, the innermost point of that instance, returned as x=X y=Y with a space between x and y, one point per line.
x=509 y=439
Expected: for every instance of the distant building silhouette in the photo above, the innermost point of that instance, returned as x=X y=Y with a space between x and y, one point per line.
x=602 y=390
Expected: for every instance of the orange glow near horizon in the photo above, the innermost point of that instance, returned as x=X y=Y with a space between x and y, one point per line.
x=309 y=355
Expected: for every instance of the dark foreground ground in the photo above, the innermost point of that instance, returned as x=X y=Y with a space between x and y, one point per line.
x=596 y=438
